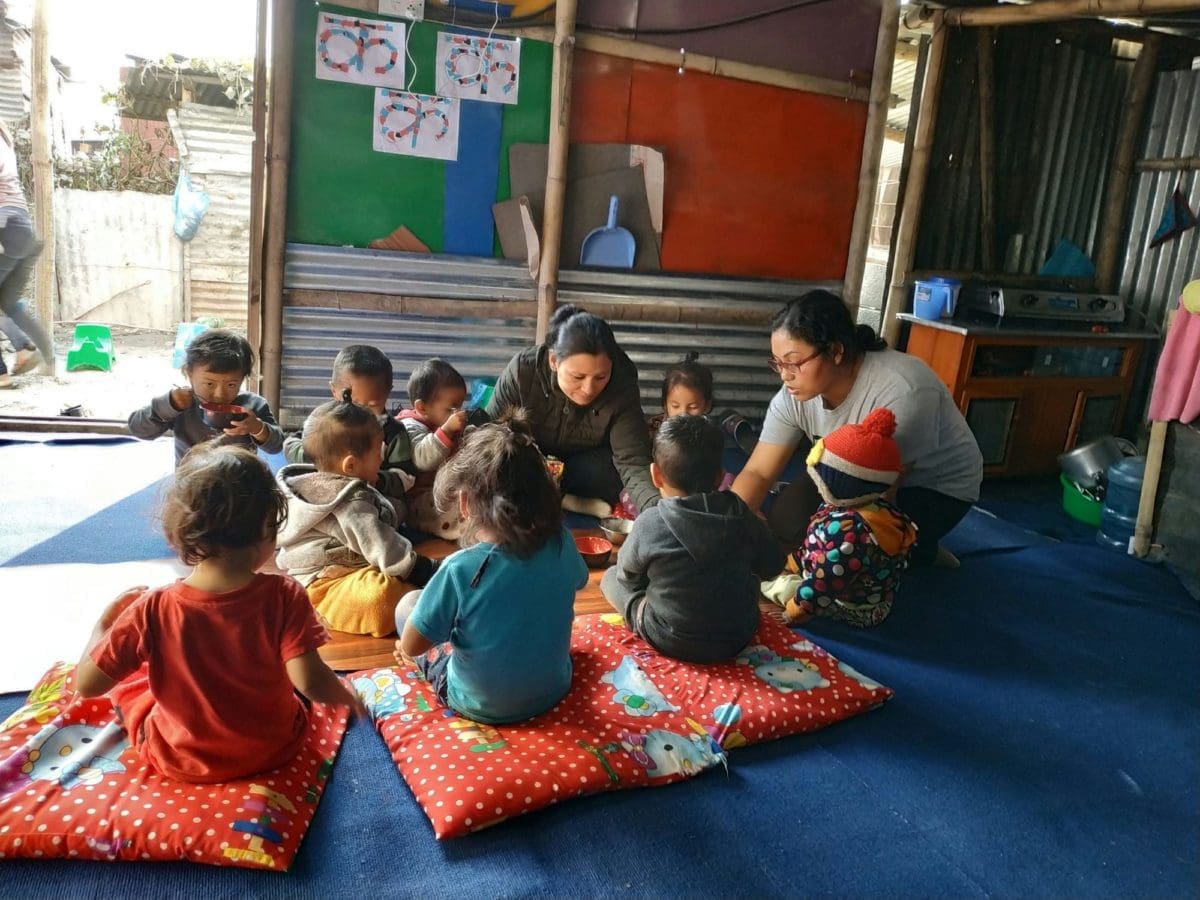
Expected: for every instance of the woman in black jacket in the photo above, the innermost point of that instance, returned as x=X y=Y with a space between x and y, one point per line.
x=581 y=391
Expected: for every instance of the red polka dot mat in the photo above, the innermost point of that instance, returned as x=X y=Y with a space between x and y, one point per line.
x=71 y=786
x=632 y=718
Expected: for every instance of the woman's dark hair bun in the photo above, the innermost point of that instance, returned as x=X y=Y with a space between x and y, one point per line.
x=347 y=396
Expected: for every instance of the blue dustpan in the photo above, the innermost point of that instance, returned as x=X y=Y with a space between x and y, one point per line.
x=609 y=246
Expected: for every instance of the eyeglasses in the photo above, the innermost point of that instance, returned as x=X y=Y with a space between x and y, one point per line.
x=790 y=369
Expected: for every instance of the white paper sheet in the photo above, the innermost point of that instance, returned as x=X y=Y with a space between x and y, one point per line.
x=360 y=51
x=475 y=68
x=416 y=124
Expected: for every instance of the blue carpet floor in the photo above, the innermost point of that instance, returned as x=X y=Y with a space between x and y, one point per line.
x=1044 y=741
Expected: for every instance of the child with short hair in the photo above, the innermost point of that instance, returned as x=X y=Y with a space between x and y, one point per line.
x=687 y=577
x=225 y=648
x=435 y=426
x=858 y=540
x=340 y=539
x=215 y=365
x=367 y=373
x=506 y=603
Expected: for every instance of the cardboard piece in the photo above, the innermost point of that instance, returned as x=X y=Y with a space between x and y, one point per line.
x=587 y=208
x=518 y=233
x=528 y=163
x=400 y=239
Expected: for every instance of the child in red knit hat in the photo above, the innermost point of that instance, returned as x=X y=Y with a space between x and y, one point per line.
x=857 y=541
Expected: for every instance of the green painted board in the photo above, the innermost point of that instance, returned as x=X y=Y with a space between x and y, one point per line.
x=342 y=192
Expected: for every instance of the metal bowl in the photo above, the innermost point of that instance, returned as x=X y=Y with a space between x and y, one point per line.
x=616 y=529
x=1087 y=464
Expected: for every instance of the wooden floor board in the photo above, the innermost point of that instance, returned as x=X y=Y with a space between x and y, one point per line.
x=350 y=652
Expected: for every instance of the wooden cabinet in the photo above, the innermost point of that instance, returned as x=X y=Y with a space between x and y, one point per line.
x=1030 y=396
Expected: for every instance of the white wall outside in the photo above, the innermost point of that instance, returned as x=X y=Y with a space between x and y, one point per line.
x=117 y=259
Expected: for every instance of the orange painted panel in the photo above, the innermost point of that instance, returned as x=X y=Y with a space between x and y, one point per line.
x=761 y=181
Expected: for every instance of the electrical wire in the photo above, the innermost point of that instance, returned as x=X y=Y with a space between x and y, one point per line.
x=540 y=18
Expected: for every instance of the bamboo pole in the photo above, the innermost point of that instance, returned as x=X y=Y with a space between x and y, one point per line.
x=868 y=173
x=1062 y=10
x=725 y=68
x=258 y=179
x=275 y=222
x=556 y=167
x=987 y=146
x=1143 y=529
x=1170 y=164
x=43 y=169
x=1116 y=199
x=918 y=174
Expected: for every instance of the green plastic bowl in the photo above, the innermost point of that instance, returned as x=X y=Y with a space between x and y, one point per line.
x=1078 y=506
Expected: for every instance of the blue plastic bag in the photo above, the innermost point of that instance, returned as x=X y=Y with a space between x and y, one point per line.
x=189 y=205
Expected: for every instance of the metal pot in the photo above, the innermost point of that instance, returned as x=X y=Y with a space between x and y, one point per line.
x=1087 y=463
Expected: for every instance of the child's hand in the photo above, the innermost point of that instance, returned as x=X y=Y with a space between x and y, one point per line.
x=182 y=398
x=355 y=702
x=118 y=606
x=249 y=424
x=456 y=423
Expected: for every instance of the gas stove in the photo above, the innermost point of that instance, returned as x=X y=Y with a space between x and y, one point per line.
x=1038 y=303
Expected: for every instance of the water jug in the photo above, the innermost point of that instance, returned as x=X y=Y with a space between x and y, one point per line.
x=1119 y=514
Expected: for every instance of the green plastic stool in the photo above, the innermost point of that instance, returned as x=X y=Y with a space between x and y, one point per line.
x=93 y=348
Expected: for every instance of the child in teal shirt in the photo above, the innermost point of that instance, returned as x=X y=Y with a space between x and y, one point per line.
x=506 y=603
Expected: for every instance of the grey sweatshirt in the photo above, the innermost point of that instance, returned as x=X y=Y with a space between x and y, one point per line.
x=699 y=561
x=335 y=520
x=189 y=429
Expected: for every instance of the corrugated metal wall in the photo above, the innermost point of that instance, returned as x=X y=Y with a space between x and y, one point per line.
x=14 y=71
x=1057 y=104
x=117 y=259
x=215 y=148
x=1151 y=279
x=482 y=346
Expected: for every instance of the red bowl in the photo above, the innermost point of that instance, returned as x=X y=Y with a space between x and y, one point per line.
x=594 y=550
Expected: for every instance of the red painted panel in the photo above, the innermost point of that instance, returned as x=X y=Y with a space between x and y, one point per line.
x=761 y=181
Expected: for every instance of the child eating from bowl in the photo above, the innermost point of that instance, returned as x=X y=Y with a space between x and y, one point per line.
x=216 y=364
x=687 y=577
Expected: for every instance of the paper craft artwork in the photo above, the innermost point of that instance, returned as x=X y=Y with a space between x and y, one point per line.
x=476 y=68
x=360 y=51
x=416 y=124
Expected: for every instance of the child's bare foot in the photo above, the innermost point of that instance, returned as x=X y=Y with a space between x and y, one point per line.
x=586 y=506
x=402 y=658
x=798 y=613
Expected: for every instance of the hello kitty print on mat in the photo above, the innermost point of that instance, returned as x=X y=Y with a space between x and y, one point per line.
x=71 y=786
x=633 y=718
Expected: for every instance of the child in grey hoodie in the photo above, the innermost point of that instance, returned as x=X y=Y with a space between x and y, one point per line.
x=340 y=539
x=687 y=577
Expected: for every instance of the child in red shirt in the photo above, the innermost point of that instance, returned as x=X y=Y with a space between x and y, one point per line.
x=202 y=671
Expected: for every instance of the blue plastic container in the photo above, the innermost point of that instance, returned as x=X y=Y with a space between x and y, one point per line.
x=184 y=335
x=1121 y=498
x=934 y=298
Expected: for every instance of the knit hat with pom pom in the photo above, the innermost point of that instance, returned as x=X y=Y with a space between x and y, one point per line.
x=856 y=463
